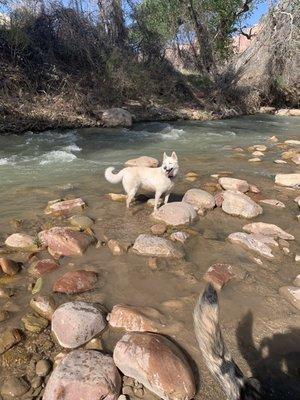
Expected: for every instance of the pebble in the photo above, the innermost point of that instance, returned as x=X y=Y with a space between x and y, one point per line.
x=94 y=344
x=9 y=267
x=117 y=197
x=8 y=339
x=158 y=229
x=255 y=159
x=179 y=236
x=43 y=367
x=297 y=257
x=115 y=247
x=81 y=221
x=273 y=202
x=280 y=162
x=43 y=305
x=152 y=263
x=36 y=382
x=14 y=387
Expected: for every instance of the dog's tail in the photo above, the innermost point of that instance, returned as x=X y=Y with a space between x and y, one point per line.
x=215 y=352
x=111 y=177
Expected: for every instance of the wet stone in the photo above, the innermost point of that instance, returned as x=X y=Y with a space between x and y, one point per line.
x=84 y=374
x=14 y=387
x=155 y=246
x=43 y=305
x=9 y=267
x=81 y=221
x=43 y=267
x=115 y=247
x=238 y=204
x=234 y=184
x=22 y=241
x=8 y=339
x=43 y=367
x=273 y=202
x=58 y=207
x=179 y=236
x=218 y=275
x=34 y=323
x=75 y=282
x=75 y=323
x=176 y=213
x=266 y=229
x=158 y=229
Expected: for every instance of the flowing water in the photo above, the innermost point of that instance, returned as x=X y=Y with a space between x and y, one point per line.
x=262 y=329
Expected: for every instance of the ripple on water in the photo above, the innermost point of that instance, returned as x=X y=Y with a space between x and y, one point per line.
x=57 y=156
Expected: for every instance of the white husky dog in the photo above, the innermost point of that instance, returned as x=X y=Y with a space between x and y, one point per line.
x=159 y=180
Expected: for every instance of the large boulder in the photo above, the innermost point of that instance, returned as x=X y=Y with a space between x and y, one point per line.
x=253 y=242
x=117 y=117
x=234 y=184
x=289 y=180
x=157 y=363
x=64 y=241
x=143 y=161
x=75 y=282
x=266 y=229
x=154 y=246
x=75 y=323
x=236 y=203
x=84 y=374
x=135 y=319
x=176 y=213
x=22 y=241
x=199 y=199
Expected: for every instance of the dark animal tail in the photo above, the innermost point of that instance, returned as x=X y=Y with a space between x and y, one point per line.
x=215 y=352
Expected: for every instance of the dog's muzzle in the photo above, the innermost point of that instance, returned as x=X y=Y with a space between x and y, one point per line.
x=169 y=173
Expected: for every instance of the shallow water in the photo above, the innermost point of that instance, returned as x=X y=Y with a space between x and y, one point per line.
x=36 y=168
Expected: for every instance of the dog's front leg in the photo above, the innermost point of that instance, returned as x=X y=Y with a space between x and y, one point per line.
x=167 y=198
x=157 y=197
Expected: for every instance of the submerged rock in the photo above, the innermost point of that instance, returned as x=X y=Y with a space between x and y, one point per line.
x=273 y=202
x=199 y=199
x=14 y=387
x=292 y=142
x=255 y=159
x=137 y=319
x=34 y=323
x=289 y=180
x=143 y=161
x=115 y=247
x=296 y=159
x=291 y=294
x=8 y=339
x=22 y=241
x=43 y=305
x=75 y=323
x=179 y=236
x=236 y=203
x=218 y=275
x=43 y=267
x=75 y=282
x=64 y=206
x=117 y=117
x=65 y=242
x=266 y=229
x=280 y=162
x=252 y=242
x=117 y=197
x=158 y=229
x=84 y=374
x=157 y=363
x=155 y=246
x=82 y=221
x=176 y=213
x=234 y=184
x=43 y=367
x=9 y=267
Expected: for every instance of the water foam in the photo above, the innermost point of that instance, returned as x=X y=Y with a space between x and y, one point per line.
x=57 y=156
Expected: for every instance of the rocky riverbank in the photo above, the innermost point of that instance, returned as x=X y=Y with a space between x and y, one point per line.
x=72 y=333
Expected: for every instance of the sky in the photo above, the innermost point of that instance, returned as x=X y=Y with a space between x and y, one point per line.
x=260 y=10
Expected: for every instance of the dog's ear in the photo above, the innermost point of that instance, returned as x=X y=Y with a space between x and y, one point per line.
x=174 y=156
x=165 y=156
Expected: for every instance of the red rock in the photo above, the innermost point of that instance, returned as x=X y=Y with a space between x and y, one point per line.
x=137 y=319
x=157 y=363
x=42 y=267
x=84 y=374
x=64 y=206
x=8 y=266
x=65 y=242
x=75 y=282
x=218 y=275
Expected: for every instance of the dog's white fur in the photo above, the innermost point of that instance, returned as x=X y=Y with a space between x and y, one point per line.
x=159 y=180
